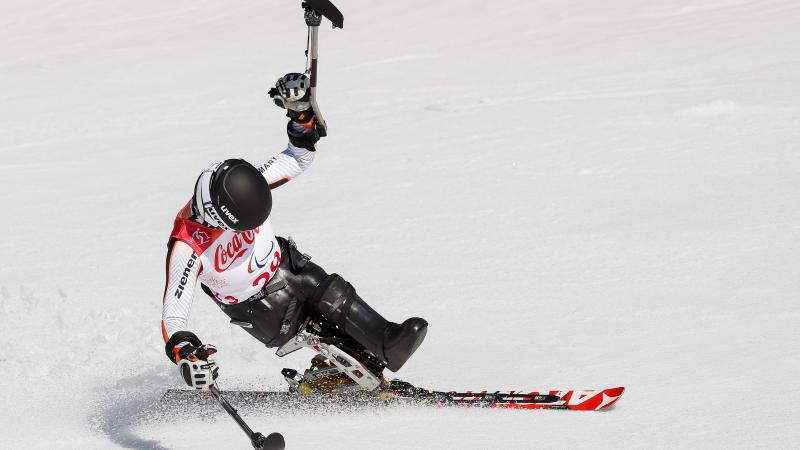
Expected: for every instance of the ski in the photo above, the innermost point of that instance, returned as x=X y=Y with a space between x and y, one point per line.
x=578 y=400
x=399 y=393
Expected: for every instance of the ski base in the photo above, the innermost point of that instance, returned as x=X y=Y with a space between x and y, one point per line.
x=400 y=393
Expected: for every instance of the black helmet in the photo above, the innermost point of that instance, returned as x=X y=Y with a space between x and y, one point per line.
x=232 y=194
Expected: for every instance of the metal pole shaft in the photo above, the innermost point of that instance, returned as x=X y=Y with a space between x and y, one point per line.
x=314 y=37
x=231 y=410
x=313 y=33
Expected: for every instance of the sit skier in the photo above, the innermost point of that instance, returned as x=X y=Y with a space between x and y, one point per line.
x=224 y=239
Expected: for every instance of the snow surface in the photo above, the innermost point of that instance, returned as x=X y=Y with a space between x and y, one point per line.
x=574 y=194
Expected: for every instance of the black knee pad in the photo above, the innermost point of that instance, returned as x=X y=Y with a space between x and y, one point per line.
x=332 y=298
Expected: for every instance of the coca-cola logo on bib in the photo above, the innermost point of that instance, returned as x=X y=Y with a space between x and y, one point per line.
x=226 y=254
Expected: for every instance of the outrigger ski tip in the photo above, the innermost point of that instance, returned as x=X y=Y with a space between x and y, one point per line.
x=327 y=10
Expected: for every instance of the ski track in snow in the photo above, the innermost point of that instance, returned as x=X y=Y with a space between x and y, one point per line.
x=130 y=404
x=574 y=194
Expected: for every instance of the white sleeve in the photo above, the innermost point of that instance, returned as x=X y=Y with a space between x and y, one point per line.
x=183 y=269
x=285 y=165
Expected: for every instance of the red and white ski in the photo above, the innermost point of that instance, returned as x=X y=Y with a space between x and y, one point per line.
x=397 y=392
x=579 y=400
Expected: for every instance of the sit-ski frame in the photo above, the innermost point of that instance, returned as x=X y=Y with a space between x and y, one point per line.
x=342 y=361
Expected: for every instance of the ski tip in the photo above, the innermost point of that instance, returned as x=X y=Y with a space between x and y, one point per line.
x=610 y=397
x=617 y=391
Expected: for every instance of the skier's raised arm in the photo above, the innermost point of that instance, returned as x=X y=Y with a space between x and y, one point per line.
x=287 y=164
x=291 y=92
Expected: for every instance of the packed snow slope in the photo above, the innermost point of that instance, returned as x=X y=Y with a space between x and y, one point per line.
x=575 y=194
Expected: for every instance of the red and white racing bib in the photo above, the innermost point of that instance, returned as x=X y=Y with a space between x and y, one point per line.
x=235 y=264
